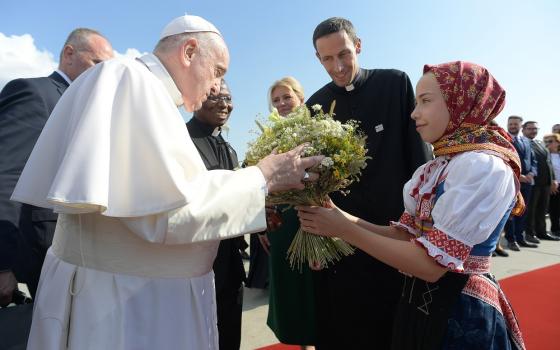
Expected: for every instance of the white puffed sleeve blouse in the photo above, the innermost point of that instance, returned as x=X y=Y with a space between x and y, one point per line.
x=478 y=189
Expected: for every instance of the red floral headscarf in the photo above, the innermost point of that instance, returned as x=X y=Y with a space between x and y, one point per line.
x=473 y=98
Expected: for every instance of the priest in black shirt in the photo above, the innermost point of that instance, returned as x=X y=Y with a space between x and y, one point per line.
x=356 y=298
x=205 y=130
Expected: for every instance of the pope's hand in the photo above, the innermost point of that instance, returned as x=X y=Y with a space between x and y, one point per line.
x=287 y=171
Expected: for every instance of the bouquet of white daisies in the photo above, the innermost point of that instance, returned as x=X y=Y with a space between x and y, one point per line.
x=343 y=146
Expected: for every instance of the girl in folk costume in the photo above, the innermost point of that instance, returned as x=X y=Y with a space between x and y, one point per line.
x=455 y=208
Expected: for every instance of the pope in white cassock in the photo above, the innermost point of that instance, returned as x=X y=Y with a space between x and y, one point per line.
x=140 y=217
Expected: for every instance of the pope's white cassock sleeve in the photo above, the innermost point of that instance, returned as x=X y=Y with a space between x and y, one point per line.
x=141 y=217
x=221 y=207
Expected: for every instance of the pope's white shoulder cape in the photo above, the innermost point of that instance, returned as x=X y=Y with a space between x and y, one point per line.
x=115 y=144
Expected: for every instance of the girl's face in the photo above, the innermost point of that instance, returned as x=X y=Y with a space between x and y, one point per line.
x=284 y=100
x=430 y=114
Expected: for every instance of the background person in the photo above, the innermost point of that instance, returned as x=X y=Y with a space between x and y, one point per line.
x=205 y=130
x=516 y=225
x=26 y=231
x=544 y=185
x=291 y=306
x=552 y=142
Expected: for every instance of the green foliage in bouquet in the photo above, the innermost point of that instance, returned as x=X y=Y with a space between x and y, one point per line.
x=343 y=146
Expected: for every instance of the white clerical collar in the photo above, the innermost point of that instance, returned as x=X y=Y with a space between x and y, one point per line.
x=224 y=128
x=218 y=130
x=64 y=76
x=156 y=67
x=356 y=81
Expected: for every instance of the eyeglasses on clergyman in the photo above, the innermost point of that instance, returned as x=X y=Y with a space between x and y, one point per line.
x=226 y=99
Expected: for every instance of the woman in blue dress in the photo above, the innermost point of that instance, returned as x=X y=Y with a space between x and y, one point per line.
x=455 y=208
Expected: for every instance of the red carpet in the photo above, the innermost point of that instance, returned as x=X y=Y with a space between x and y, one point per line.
x=280 y=347
x=535 y=297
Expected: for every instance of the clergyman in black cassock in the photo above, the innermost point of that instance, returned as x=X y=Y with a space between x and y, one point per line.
x=205 y=131
x=356 y=297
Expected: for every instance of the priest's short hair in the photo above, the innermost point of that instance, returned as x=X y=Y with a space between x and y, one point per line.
x=334 y=25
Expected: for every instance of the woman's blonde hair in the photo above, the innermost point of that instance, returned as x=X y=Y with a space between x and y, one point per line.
x=554 y=136
x=290 y=83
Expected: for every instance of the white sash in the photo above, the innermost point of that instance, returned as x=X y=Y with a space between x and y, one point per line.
x=106 y=244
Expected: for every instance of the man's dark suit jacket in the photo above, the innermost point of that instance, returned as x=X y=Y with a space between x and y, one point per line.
x=25 y=231
x=526 y=155
x=544 y=165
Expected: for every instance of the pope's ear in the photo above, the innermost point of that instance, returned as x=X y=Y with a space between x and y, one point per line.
x=188 y=50
x=318 y=56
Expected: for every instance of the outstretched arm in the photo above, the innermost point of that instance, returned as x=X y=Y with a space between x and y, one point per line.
x=385 y=243
x=224 y=204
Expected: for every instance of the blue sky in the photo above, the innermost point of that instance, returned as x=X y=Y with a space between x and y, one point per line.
x=518 y=41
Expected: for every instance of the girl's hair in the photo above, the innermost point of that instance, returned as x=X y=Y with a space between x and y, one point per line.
x=288 y=82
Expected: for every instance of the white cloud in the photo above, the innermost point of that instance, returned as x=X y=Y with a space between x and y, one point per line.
x=20 y=58
x=130 y=53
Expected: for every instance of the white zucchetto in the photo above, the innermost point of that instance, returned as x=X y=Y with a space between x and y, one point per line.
x=188 y=24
